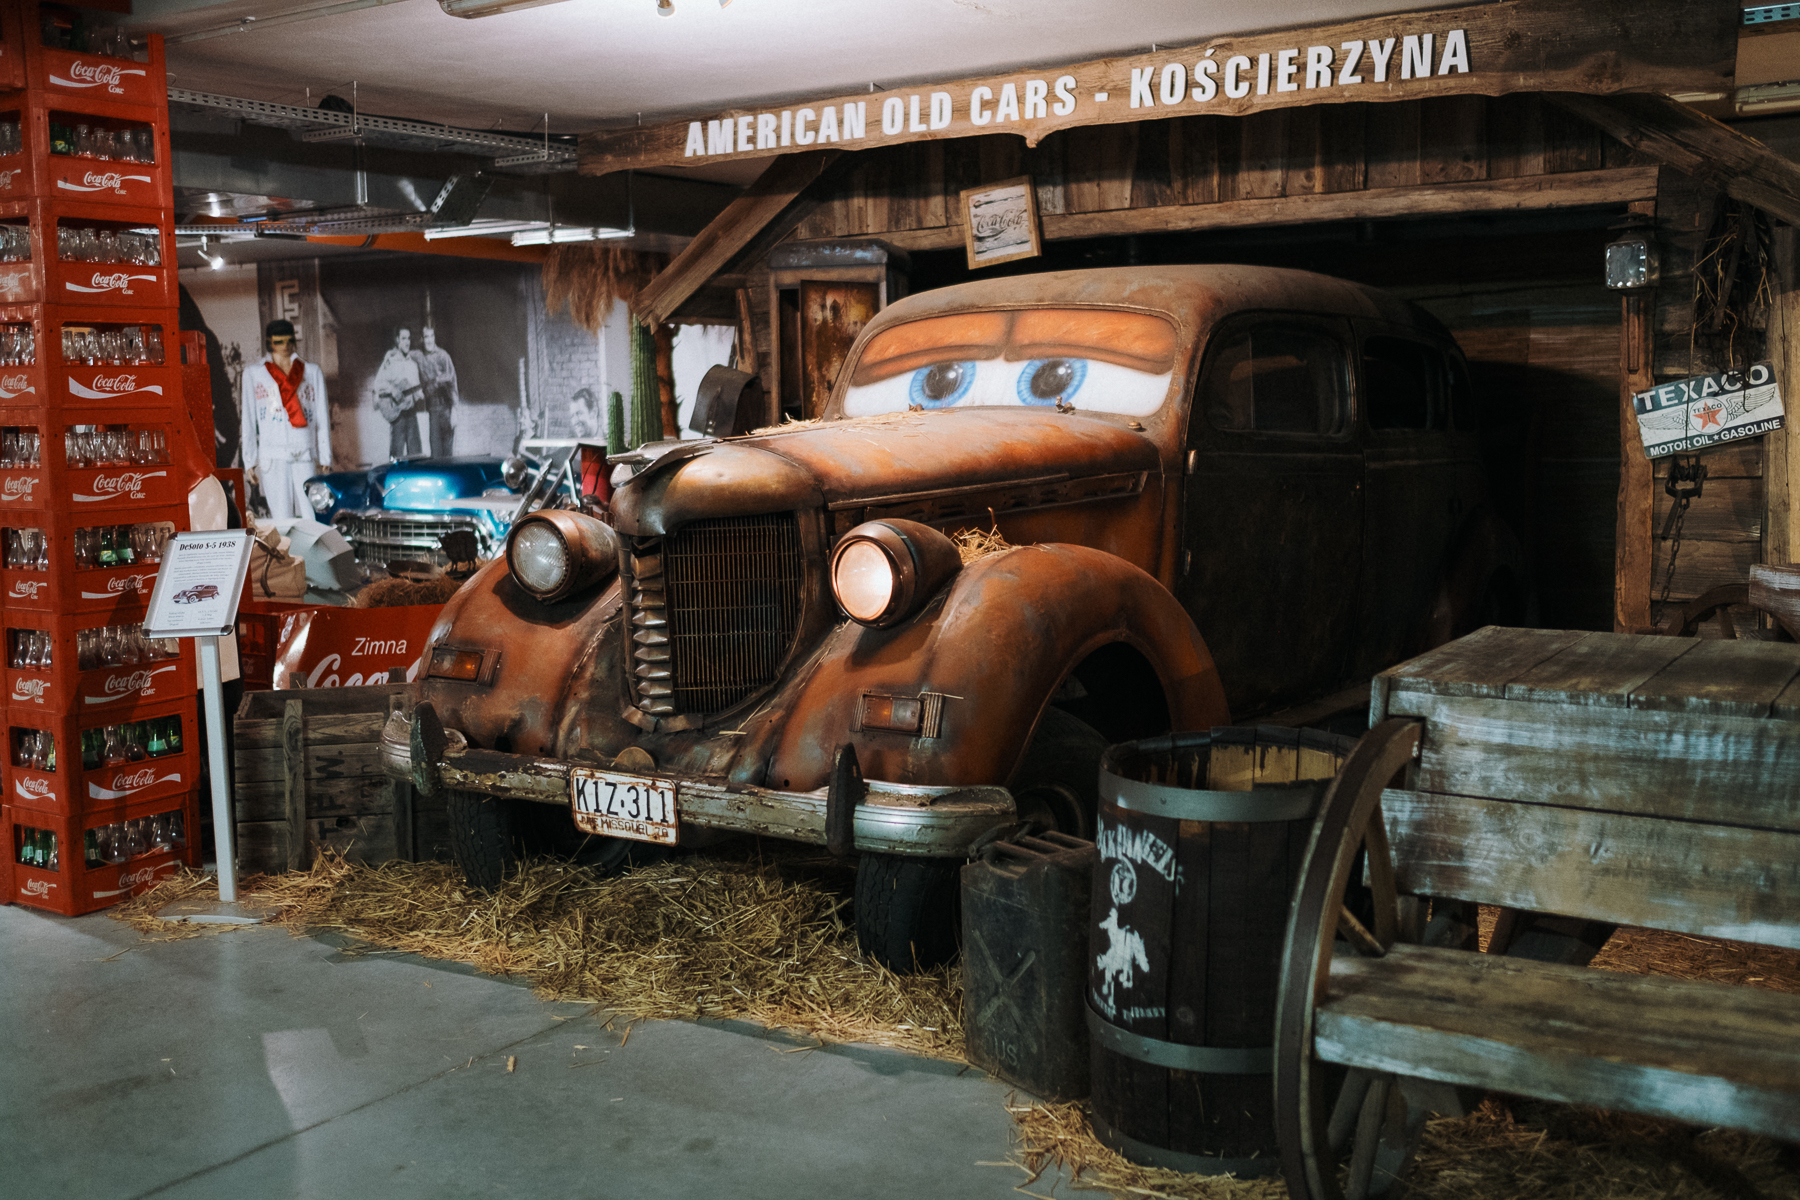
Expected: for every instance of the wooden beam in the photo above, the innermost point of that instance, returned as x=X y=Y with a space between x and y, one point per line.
x=765 y=212
x=1577 y=189
x=1672 y=46
x=1781 y=466
x=1634 y=551
x=1697 y=145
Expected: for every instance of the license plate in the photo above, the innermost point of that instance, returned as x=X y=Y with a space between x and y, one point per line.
x=627 y=806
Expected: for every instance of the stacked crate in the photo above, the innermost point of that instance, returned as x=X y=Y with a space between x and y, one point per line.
x=100 y=765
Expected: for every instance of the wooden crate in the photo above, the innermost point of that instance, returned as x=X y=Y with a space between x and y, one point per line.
x=308 y=776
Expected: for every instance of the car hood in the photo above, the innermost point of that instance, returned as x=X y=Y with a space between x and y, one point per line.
x=893 y=463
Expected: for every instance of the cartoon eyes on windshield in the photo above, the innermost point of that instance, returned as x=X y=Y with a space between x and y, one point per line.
x=1040 y=381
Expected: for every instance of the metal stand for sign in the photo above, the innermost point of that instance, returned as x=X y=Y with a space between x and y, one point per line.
x=189 y=601
x=212 y=691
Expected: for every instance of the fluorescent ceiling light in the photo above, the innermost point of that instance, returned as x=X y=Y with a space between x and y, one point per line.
x=489 y=8
x=560 y=234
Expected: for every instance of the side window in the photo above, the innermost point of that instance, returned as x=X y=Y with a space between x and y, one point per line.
x=1277 y=378
x=1402 y=384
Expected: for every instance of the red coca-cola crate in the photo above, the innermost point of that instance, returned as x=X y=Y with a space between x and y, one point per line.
x=97 y=83
x=62 y=583
x=259 y=625
x=116 y=283
x=60 y=763
x=79 y=884
x=35 y=170
x=68 y=687
x=54 y=383
x=50 y=484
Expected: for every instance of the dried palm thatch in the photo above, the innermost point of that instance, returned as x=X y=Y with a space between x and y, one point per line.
x=589 y=276
x=745 y=937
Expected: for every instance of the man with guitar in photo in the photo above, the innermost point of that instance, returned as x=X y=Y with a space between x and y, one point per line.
x=398 y=389
x=286 y=427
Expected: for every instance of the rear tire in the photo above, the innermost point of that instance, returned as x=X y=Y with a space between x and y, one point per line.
x=908 y=910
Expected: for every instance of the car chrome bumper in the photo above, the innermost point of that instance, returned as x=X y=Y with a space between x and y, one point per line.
x=891 y=818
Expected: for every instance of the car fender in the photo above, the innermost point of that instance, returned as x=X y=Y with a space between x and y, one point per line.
x=992 y=648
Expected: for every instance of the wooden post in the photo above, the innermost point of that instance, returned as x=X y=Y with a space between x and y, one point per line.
x=1633 y=549
x=665 y=380
x=1781 y=466
x=293 y=754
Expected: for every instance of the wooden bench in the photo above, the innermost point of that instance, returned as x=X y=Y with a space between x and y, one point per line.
x=1637 y=780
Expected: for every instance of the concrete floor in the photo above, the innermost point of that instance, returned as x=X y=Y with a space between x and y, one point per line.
x=253 y=1063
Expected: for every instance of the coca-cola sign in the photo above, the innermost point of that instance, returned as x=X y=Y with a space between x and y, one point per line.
x=34 y=789
x=111 y=387
x=118 y=281
x=129 y=683
x=126 y=485
x=134 y=878
x=100 y=181
x=88 y=75
x=36 y=887
x=118 y=585
x=13 y=386
x=27 y=589
x=7 y=178
x=31 y=690
x=17 y=487
x=129 y=783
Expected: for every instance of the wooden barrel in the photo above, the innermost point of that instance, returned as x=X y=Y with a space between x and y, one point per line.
x=1200 y=837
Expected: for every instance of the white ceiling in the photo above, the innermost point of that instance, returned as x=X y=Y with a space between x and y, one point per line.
x=595 y=63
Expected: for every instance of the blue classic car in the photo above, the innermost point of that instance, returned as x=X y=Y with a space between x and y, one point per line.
x=400 y=510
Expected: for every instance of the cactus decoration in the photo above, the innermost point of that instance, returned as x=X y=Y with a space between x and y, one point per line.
x=646 y=404
x=615 y=424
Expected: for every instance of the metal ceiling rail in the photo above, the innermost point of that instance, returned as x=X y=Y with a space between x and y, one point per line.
x=510 y=150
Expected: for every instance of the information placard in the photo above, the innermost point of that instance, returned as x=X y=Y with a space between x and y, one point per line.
x=198 y=584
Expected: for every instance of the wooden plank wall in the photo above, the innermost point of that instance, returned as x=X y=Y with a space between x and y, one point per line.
x=1329 y=148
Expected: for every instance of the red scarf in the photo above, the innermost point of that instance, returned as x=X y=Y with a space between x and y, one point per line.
x=290 y=390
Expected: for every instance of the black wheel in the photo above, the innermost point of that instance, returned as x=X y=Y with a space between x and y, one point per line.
x=486 y=837
x=1057 y=785
x=907 y=909
x=490 y=837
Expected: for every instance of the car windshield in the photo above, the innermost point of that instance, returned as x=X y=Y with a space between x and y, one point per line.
x=1103 y=360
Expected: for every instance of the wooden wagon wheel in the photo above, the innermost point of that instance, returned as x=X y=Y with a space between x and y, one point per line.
x=1317 y=1118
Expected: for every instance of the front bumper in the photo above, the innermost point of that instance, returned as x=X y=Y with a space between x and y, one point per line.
x=380 y=535
x=890 y=818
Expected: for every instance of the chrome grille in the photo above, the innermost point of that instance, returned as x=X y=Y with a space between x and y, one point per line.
x=715 y=608
x=385 y=539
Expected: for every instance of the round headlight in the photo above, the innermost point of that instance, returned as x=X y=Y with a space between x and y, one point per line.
x=514 y=471
x=540 y=560
x=320 y=496
x=864 y=578
x=882 y=572
x=555 y=553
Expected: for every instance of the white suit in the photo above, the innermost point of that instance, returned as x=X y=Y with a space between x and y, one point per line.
x=284 y=453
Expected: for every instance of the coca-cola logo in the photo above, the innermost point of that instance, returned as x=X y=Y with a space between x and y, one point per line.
x=134 y=781
x=7 y=177
x=33 y=789
x=27 y=589
x=119 y=281
x=131 y=879
x=109 y=179
x=138 y=682
x=17 y=487
x=128 y=484
x=106 y=388
x=87 y=75
x=30 y=689
x=16 y=383
x=125 y=784
x=100 y=181
x=36 y=887
x=119 y=585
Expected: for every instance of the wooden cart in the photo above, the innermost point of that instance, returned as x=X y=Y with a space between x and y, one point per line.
x=1637 y=780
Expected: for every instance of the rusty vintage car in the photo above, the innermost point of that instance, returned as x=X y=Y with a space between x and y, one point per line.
x=1225 y=488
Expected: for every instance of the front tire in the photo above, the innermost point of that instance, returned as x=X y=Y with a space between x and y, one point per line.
x=908 y=910
x=490 y=837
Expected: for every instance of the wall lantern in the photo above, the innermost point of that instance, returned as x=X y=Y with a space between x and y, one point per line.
x=1631 y=260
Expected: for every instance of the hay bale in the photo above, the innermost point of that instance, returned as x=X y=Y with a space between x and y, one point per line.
x=400 y=593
